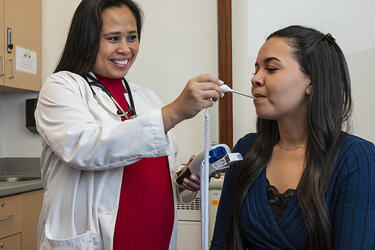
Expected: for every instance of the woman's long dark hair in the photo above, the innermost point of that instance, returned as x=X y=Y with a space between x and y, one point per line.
x=82 y=43
x=329 y=107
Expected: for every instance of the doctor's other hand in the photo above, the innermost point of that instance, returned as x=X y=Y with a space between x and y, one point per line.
x=200 y=92
x=193 y=183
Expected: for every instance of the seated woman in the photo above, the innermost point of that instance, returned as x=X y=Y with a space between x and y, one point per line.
x=304 y=182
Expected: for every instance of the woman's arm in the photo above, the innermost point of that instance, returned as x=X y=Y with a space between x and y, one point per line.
x=85 y=136
x=354 y=213
x=221 y=223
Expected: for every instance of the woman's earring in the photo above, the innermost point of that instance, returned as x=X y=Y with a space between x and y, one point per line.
x=308 y=89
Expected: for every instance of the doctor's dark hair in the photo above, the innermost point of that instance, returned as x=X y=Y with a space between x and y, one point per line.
x=328 y=112
x=82 y=43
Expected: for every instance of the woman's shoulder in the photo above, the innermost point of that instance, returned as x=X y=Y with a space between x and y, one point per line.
x=354 y=144
x=65 y=75
x=356 y=154
x=243 y=144
x=136 y=87
x=147 y=93
x=63 y=80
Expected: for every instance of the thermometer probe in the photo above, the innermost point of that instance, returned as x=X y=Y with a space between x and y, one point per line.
x=225 y=88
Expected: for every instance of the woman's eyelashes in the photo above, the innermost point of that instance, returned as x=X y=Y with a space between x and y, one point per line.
x=113 y=38
x=132 y=38
x=270 y=70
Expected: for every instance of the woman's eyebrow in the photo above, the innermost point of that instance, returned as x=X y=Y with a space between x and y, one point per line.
x=116 y=33
x=267 y=60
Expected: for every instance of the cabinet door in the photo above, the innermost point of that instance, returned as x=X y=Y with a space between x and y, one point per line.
x=23 y=22
x=31 y=207
x=10 y=215
x=11 y=243
x=2 y=41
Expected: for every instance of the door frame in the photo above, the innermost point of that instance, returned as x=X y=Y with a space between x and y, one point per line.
x=225 y=70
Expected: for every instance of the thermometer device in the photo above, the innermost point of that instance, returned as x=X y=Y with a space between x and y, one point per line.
x=220 y=157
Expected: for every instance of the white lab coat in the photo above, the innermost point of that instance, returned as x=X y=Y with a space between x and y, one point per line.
x=84 y=151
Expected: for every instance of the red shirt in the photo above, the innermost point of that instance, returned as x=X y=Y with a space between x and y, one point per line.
x=145 y=213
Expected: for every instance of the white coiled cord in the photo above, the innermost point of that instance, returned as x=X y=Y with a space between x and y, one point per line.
x=204 y=178
x=204 y=171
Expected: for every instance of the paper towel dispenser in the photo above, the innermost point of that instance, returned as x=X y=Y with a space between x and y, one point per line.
x=30 y=119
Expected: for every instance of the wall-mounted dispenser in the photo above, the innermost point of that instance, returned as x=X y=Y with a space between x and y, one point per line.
x=30 y=119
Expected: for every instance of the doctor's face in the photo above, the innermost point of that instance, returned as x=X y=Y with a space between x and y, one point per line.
x=119 y=43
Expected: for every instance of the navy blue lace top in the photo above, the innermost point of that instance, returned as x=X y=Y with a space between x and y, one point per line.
x=278 y=202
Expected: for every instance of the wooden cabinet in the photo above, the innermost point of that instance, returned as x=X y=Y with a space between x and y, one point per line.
x=11 y=242
x=10 y=215
x=31 y=207
x=20 y=45
x=19 y=215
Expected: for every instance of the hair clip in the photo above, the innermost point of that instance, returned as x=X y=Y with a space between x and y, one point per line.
x=329 y=38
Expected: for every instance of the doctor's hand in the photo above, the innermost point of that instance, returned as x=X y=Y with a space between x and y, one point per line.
x=193 y=183
x=199 y=93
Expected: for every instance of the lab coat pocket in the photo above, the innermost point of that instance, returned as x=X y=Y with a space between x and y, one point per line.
x=107 y=227
x=79 y=242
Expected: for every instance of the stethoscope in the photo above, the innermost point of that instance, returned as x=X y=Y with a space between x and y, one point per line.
x=120 y=111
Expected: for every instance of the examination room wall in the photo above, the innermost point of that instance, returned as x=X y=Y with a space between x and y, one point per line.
x=350 y=22
x=179 y=41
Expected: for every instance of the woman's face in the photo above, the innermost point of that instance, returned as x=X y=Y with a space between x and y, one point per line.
x=278 y=85
x=119 y=43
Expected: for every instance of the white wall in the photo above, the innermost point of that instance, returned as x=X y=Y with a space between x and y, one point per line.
x=179 y=41
x=350 y=22
x=18 y=141
x=56 y=18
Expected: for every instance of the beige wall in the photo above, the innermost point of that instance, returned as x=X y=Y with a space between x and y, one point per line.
x=362 y=68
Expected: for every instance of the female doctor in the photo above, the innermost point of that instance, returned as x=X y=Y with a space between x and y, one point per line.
x=108 y=161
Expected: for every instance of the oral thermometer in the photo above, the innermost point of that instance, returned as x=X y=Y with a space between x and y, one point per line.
x=225 y=88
